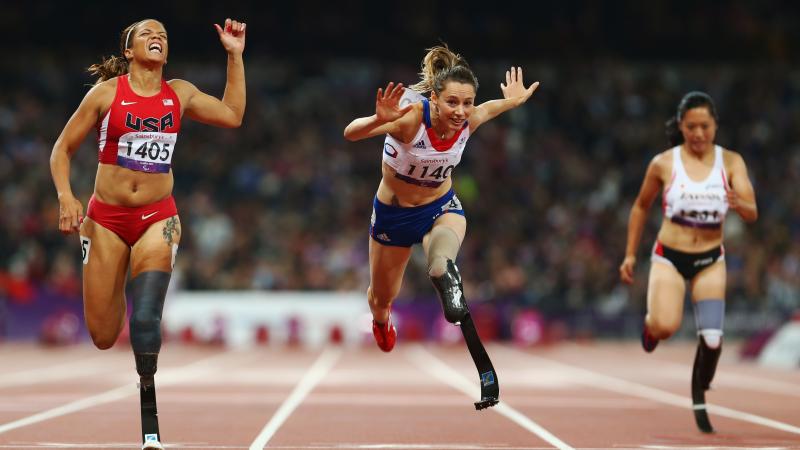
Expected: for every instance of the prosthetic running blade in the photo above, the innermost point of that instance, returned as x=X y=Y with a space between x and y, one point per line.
x=490 y=389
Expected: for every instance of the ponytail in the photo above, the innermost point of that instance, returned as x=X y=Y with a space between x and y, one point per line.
x=440 y=65
x=114 y=66
x=108 y=68
x=674 y=134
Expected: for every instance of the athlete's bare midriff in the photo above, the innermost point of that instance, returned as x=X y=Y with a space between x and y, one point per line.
x=396 y=192
x=119 y=186
x=689 y=239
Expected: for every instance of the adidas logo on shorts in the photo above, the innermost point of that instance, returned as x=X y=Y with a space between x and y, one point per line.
x=420 y=144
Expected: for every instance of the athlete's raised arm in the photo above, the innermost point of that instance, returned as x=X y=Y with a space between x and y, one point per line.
x=208 y=109
x=389 y=117
x=514 y=94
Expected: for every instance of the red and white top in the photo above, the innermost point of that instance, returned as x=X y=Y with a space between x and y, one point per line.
x=700 y=204
x=427 y=160
x=139 y=133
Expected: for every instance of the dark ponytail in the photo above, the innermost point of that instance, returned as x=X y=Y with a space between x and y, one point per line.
x=114 y=66
x=694 y=99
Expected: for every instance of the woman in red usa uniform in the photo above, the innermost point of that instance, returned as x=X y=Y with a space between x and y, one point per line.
x=699 y=183
x=131 y=221
x=415 y=202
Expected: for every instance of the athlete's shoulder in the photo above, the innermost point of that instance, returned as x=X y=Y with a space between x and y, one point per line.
x=731 y=157
x=661 y=164
x=663 y=158
x=102 y=94
x=183 y=86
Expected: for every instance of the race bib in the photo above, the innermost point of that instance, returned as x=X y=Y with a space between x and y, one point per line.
x=146 y=152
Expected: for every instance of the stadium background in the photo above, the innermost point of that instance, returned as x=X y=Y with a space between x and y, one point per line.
x=283 y=203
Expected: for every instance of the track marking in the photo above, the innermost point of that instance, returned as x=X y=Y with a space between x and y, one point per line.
x=170 y=376
x=742 y=381
x=323 y=364
x=126 y=445
x=53 y=373
x=596 y=379
x=434 y=366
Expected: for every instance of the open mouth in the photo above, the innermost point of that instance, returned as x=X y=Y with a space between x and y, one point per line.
x=155 y=47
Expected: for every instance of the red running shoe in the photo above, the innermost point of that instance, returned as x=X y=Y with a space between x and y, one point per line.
x=649 y=343
x=385 y=334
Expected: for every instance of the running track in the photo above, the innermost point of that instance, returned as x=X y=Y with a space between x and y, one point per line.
x=570 y=396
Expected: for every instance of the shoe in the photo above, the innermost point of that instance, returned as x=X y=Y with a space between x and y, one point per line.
x=385 y=334
x=649 y=343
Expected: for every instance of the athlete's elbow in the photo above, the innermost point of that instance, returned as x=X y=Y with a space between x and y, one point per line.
x=349 y=135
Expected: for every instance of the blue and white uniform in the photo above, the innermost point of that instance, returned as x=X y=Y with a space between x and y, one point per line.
x=426 y=161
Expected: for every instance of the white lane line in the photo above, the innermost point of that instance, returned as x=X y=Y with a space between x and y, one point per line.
x=323 y=364
x=170 y=376
x=609 y=383
x=46 y=445
x=434 y=366
x=126 y=445
x=738 y=380
x=53 y=373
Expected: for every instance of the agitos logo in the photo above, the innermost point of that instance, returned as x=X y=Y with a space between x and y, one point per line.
x=148 y=123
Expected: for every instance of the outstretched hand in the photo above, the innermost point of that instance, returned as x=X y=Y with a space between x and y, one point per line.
x=387 y=103
x=514 y=88
x=232 y=36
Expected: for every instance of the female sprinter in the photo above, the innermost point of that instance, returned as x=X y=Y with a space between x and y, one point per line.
x=700 y=182
x=415 y=202
x=131 y=221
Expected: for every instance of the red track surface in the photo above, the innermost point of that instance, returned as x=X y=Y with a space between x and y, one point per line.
x=594 y=396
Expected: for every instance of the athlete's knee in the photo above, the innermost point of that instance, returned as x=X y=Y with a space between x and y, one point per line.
x=709 y=316
x=451 y=293
x=437 y=266
x=103 y=340
x=149 y=291
x=661 y=327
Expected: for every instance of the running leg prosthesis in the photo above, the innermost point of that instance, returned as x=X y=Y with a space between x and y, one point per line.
x=451 y=293
x=709 y=316
x=146 y=364
x=705 y=365
x=149 y=290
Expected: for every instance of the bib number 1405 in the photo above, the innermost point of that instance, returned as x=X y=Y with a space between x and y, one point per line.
x=151 y=150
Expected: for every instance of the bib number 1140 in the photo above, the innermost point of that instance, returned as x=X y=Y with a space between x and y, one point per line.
x=439 y=172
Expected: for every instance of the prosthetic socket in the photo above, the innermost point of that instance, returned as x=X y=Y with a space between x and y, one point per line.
x=451 y=293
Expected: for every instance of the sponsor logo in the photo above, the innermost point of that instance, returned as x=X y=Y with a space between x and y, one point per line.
x=383 y=237
x=124 y=103
x=420 y=144
x=151 y=438
x=147 y=216
x=703 y=262
x=487 y=378
x=167 y=102
x=389 y=150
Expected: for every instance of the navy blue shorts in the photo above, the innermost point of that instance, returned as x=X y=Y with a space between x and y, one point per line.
x=404 y=227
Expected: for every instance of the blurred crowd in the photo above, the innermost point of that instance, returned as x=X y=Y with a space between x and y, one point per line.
x=284 y=202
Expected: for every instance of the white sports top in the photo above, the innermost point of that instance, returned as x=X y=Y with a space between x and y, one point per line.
x=427 y=161
x=700 y=204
